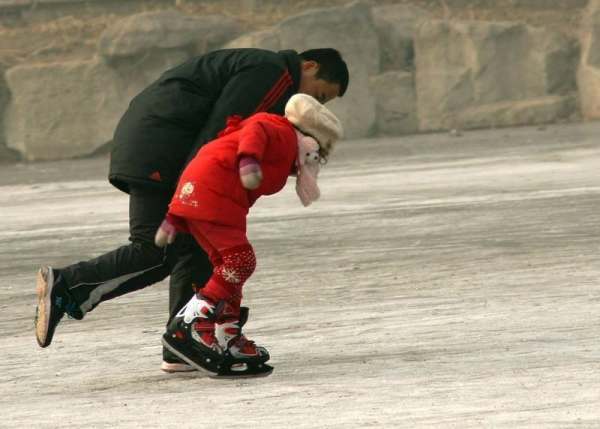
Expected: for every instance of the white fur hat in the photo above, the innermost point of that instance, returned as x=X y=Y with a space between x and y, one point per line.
x=314 y=119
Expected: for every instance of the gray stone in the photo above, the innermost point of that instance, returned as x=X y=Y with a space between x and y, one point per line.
x=61 y=110
x=395 y=102
x=135 y=73
x=467 y=64
x=532 y=111
x=356 y=109
x=264 y=39
x=350 y=30
x=166 y=29
x=396 y=26
x=588 y=73
x=4 y=93
x=64 y=110
x=4 y=97
x=542 y=5
x=558 y=61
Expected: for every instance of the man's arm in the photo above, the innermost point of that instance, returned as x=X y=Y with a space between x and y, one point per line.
x=253 y=90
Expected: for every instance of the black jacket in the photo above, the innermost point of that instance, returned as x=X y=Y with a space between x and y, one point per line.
x=187 y=106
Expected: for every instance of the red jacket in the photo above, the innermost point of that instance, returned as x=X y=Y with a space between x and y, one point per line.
x=210 y=188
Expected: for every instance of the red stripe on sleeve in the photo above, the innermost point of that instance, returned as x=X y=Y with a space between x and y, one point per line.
x=275 y=92
x=279 y=93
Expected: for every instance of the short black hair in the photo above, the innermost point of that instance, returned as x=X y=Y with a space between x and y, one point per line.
x=332 y=67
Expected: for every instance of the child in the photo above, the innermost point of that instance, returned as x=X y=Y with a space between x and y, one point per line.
x=251 y=158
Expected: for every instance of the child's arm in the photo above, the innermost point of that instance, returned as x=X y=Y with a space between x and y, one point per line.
x=250 y=172
x=253 y=140
x=252 y=144
x=168 y=229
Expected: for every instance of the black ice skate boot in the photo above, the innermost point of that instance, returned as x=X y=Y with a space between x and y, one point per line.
x=53 y=302
x=242 y=357
x=191 y=336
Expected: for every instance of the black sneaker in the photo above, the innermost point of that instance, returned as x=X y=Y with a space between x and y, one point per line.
x=173 y=364
x=50 y=308
x=54 y=301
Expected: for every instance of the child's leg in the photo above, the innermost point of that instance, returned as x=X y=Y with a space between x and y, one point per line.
x=233 y=260
x=237 y=263
x=214 y=312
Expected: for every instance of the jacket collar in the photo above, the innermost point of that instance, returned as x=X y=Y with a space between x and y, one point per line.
x=292 y=60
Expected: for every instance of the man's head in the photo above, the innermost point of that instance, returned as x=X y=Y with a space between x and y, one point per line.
x=324 y=74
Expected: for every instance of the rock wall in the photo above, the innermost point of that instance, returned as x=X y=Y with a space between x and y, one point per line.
x=410 y=71
x=69 y=109
x=588 y=73
x=471 y=74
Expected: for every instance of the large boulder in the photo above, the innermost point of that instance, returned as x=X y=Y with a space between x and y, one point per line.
x=396 y=105
x=135 y=73
x=510 y=113
x=264 y=39
x=350 y=30
x=6 y=154
x=469 y=64
x=61 y=110
x=396 y=25
x=588 y=74
x=356 y=109
x=4 y=92
x=166 y=29
x=542 y=5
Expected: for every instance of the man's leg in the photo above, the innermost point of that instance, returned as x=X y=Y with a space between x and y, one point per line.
x=192 y=269
x=79 y=288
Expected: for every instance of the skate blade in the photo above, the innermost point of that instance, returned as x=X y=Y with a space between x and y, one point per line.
x=244 y=370
x=186 y=359
x=174 y=368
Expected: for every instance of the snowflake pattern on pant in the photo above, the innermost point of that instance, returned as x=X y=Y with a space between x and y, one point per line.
x=237 y=266
x=230 y=275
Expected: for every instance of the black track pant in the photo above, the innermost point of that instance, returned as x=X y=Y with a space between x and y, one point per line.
x=140 y=263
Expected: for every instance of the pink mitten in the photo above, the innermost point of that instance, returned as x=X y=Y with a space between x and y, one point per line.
x=250 y=172
x=168 y=229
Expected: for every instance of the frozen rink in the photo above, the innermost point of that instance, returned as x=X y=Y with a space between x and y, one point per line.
x=441 y=282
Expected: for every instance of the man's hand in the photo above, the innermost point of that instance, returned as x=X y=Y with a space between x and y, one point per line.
x=250 y=172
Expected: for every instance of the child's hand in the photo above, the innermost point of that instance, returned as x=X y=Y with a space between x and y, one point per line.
x=166 y=232
x=250 y=172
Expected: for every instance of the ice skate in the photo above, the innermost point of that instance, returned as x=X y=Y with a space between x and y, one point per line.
x=241 y=357
x=191 y=336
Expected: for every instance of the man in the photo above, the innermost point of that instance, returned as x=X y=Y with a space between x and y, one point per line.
x=160 y=132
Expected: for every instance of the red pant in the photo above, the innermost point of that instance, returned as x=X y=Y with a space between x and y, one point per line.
x=232 y=257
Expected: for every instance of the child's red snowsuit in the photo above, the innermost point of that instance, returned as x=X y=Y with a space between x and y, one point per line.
x=213 y=204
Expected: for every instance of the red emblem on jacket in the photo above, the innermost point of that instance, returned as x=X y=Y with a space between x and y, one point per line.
x=156 y=176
